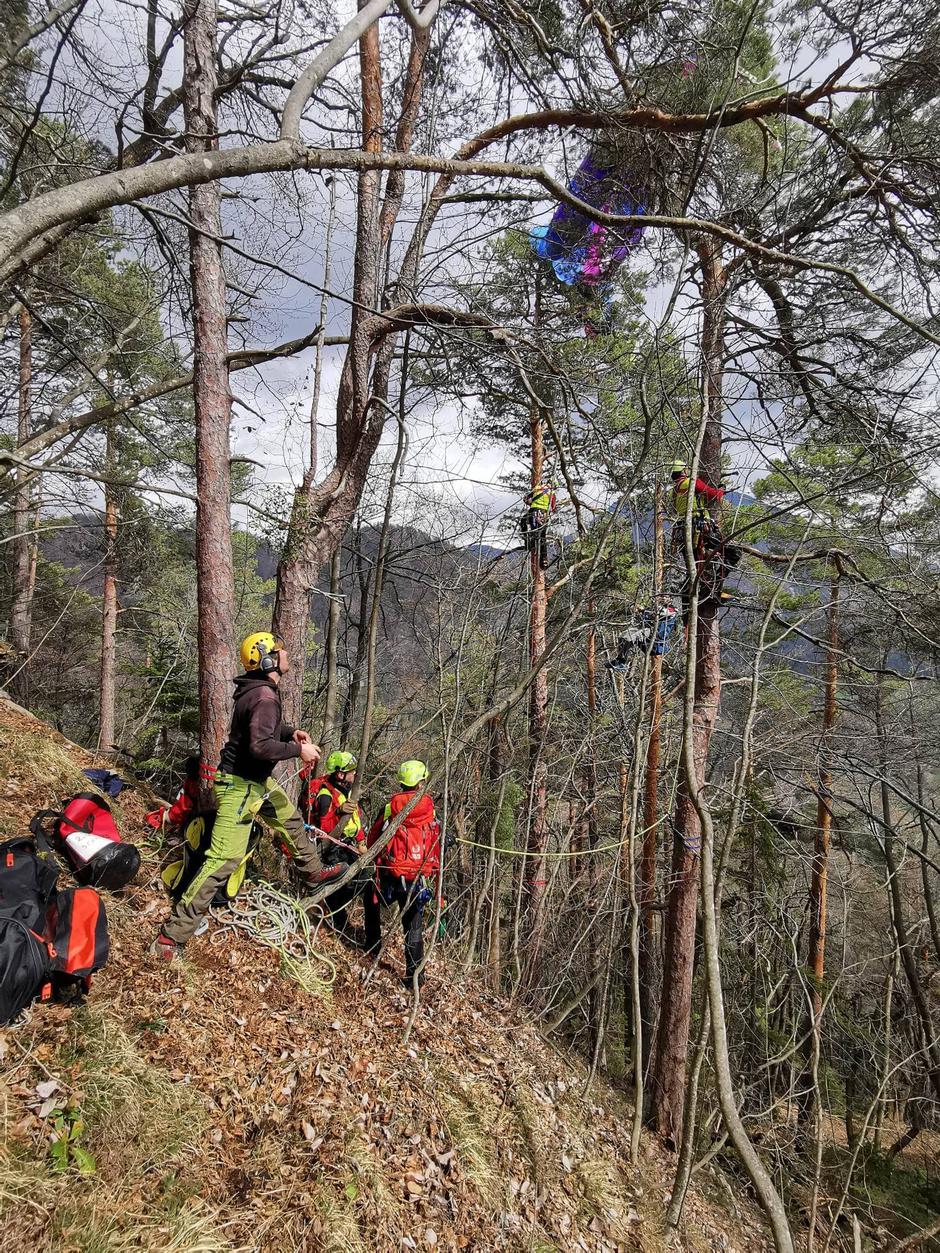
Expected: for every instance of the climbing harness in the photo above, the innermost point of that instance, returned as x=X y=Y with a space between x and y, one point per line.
x=714 y=561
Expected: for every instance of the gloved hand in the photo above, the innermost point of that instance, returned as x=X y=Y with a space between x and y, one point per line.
x=156 y=819
x=347 y=809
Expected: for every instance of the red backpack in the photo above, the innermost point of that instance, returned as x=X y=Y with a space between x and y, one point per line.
x=86 y=834
x=415 y=848
x=51 y=942
x=309 y=791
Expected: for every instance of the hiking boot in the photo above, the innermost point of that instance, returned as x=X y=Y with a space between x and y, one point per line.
x=166 y=949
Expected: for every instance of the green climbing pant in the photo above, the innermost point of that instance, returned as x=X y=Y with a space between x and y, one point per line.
x=239 y=802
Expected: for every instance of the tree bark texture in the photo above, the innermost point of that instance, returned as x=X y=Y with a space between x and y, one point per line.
x=588 y=838
x=818 y=887
x=668 y=1070
x=332 y=649
x=647 y=876
x=292 y=601
x=21 y=607
x=378 y=584
x=534 y=873
x=109 y=611
x=906 y=951
x=212 y=398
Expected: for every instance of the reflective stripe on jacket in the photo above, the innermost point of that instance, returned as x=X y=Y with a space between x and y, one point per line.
x=353 y=828
x=544 y=501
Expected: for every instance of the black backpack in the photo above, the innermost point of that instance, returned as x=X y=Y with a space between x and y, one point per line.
x=51 y=942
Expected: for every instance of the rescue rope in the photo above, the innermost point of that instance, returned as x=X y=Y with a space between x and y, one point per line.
x=279 y=922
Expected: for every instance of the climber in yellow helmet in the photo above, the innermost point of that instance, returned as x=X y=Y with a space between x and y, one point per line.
x=408 y=870
x=718 y=558
x=245 y=791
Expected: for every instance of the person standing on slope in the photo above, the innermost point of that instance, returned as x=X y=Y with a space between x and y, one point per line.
x=245 y=791
x=327 y=806
x=407 y=870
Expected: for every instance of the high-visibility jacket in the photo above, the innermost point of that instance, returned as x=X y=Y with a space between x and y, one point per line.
x=543 y=500
x=311 y=790
x=703 y=493
x=353 y=830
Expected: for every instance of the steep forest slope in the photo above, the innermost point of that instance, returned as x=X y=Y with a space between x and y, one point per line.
x=224 y=1107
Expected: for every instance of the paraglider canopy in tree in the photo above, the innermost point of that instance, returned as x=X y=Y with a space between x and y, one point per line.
x=584 y=253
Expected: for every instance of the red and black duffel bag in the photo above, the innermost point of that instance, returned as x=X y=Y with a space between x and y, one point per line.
x=85 y=833
x=51 y=942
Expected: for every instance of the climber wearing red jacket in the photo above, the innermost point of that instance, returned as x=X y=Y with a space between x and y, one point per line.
x=326 y=805
x=704 y=492
x=408 y=868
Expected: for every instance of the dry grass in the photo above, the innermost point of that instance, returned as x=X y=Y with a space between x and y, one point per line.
x=227 y=1109
x=471 y=1136
x=135 y=1114
x=45 y=1211
x=38 y=774
x=135 y=1120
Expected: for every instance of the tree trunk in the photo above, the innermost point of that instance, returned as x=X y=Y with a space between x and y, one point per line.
x=647 y=877
x=331 y=698
x=668 y=1069
x=588 y=840
x=378 y=584
x=213 y=404
x=925 y=870
x=884 y=1077
x=327 y=509
x=818 y=901
x=109 y=608
x=291 y=622
x=534 y=881
x=21 y=608
x=899 y=922
x=351 y=702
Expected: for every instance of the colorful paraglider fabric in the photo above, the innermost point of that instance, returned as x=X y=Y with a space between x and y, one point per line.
x=581 y=250
x=584 y=253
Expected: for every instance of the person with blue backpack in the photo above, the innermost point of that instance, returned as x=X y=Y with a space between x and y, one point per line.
x=650 y=635
x=408 y=868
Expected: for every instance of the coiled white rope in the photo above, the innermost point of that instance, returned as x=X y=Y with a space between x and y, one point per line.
x=279 y=922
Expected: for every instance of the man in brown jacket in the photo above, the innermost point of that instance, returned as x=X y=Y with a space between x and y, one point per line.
x=245 y=791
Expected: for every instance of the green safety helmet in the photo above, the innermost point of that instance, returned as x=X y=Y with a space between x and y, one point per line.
x=411 y=773
x=678 y=467
x=340 y=760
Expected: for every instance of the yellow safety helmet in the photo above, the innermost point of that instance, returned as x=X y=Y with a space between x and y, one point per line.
x=678 y=467
x=411 y=773
x=341 y=760
x=259 y=652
